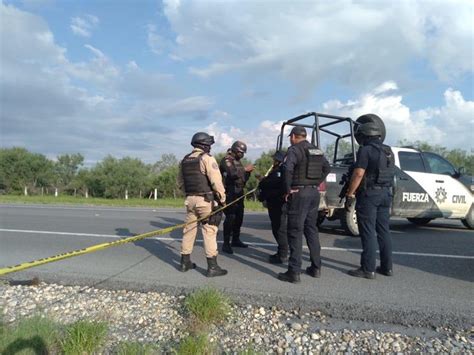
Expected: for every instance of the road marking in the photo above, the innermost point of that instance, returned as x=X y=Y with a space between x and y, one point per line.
x=26 y=231
x=97 y=208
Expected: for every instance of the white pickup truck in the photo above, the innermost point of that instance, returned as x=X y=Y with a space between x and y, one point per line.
x=426 y=186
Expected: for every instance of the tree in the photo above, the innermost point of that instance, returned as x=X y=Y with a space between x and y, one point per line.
x=19 y=168
x=167 y=161
x=66 y=169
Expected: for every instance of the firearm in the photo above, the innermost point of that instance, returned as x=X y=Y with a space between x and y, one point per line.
x=345 y=180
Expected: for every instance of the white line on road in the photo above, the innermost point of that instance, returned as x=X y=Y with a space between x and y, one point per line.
x=467 y=257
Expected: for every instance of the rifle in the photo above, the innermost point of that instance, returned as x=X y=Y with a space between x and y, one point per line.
x=345 y=181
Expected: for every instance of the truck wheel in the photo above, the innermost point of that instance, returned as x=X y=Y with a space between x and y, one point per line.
x=469 y=220
x=349 y=222
x=420 y=221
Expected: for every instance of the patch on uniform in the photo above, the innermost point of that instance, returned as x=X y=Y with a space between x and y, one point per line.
x=228 y=163
x=214 y=166
x=315 y=151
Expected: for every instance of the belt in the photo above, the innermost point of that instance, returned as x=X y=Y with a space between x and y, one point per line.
x=304 y=186
x=378 y=187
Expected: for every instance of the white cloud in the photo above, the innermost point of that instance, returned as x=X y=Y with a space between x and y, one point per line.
x=358 y=43
x=450 y=125
x=83 y=26
x=52 y=105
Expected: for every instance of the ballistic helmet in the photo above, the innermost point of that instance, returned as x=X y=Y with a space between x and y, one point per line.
x=202 y=138
x=366 y=130
x=239 y=147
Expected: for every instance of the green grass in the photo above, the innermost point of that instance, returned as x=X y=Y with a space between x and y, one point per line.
x=208 y=306
x=132 y=202
x=35 y=335
x=195 y=345
x=83 y=337
x=135 y=348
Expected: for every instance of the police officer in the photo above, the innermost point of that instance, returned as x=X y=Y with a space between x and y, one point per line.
x=370 y=187
x=305 y=168
x=235 y=177
x=200 y=177
x=271 y=193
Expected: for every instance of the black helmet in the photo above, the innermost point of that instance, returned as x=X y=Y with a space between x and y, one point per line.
x=239 y=147
x=202 y=138
x=366 y=130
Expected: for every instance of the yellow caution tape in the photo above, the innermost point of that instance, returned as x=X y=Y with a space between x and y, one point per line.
x=97 y=247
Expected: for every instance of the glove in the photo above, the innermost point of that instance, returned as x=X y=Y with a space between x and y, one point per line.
x=349 y=203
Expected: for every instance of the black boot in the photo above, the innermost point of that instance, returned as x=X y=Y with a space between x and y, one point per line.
x=289 y=276
x=226 y=248
x=236 y=242
x=278 y=259
x=313 y=271
x=361 y=273
x=213 y=269
x=186 y=263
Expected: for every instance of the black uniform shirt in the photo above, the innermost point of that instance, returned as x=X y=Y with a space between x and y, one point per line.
x=294 y=156
x=368 y=157
x=272 y=185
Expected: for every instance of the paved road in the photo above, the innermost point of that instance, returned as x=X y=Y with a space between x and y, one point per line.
x=434 y=265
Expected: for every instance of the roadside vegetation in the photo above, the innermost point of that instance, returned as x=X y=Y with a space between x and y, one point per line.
x=204 y=308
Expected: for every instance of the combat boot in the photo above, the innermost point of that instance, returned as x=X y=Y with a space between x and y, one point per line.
x=278 y=259
x=213 y=269
x=236 y=242
x=289 y=276
x=186 y=263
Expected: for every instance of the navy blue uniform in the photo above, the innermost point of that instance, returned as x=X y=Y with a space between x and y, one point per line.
x=272 y=193
x=374 y=199
x=235 y=178
x=302 y=206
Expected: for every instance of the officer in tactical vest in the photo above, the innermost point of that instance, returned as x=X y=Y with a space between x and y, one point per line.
x=371 y=190
x=200 y=177
x=271 y=193
x=235 y=177
x=305 y=168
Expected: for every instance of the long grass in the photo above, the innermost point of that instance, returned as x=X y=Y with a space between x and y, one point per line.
x=92 y=201
x=208 y=306
x=83 y=337
x=135 y=348
x=195 y=345
x=35 y=335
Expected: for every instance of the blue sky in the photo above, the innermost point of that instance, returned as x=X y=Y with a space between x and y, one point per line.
x=138 y=78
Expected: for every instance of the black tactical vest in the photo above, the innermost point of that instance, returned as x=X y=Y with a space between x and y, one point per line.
x=383 y=176
x=195 y=182
x=308 y=171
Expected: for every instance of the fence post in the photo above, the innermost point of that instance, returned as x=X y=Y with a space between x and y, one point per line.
x=26 y=191
x=55 y=192
x=156 y=194
x=126 y=194
x=87 y=193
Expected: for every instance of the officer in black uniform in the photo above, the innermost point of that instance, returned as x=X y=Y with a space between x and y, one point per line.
x=371 y=190
x=235 y=177
x=305 y=168
x=271 y=192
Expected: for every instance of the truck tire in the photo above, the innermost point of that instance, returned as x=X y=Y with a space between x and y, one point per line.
x=469 y=220
x=420 y=221
x=377 y=120
x=349 y=222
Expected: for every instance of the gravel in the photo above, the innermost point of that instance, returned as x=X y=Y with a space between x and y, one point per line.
x=160 y=317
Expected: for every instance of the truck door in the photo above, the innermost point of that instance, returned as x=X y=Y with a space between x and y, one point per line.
x=410 y=196
x=452 y=197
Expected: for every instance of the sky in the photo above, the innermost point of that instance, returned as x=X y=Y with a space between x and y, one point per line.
x=139 y=78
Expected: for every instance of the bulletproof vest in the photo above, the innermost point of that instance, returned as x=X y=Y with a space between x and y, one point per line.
x=195 y=182
x=236 y=185
x=308 y=171
x=385 y=171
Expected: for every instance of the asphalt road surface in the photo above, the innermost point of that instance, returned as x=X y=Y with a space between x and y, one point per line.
x=433 y=265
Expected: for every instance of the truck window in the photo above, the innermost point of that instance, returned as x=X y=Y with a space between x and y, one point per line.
x=439 y=165
x=411 y=162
